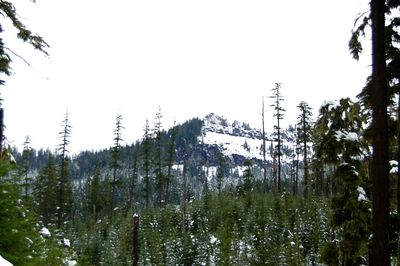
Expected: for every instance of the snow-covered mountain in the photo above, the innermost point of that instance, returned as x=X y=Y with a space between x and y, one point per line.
x=238 y=141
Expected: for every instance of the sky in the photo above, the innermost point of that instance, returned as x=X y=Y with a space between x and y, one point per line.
x=188 y=57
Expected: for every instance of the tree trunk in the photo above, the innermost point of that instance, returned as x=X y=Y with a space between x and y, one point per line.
x=380 y=168
x=135 y=251
x=1 y=130
x=264 y=149
x=398 y=155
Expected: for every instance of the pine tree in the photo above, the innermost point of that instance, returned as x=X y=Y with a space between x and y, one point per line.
x=264 y=148
x=115 y=163
x=220 y=171
x=45 y=191
x=24 y=169
x=64 y=187
x=304 y=136
x=278 y=98
x=146 y=150
x=134 y=175
x=94 y=197
x=248 y=176
x=157 y=157
x=170 y=161
x=385 y=67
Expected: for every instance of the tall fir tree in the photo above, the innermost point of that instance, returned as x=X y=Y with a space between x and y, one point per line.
x=94 y=197
x=64 y=186
x=157 y=159
x=146 y=151
x=264 y=148
x=278 y=98
x=24 y=168
x=170 y=160
x=115 y=163
x=45 y=191
x=304 y=125
x=381 y=86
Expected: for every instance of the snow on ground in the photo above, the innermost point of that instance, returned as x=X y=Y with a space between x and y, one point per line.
x=4 y=262
x=44 y=232
x=68 y=262
x=247 y=147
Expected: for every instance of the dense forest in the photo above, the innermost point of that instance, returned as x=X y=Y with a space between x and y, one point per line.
x=324 y=191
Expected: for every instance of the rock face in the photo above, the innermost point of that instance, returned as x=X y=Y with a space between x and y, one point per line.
x=238 y=141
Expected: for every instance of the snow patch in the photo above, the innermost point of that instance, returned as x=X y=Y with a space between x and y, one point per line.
x=4 y=262
x=44 y=232
x=213 y=239
x=66 y=242
x=361 y=194
x=331 y=104
x=68 y=262
x=344 y=135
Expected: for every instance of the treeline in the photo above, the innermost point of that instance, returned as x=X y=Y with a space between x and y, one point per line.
x=331 y=214
x=320 y=214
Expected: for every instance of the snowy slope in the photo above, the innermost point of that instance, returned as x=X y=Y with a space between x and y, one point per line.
x=237 y=138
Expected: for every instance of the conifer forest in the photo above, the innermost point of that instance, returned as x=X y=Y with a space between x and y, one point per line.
x=323 y=191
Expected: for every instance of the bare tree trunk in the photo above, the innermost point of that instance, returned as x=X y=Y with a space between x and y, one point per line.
x=264 y=149
x=398 y=155
x=380 y=168
x=135 y=251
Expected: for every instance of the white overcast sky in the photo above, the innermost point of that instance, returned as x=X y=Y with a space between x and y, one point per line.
x=189 y=57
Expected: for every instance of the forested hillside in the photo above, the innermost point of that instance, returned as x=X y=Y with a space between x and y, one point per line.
x=210 y=191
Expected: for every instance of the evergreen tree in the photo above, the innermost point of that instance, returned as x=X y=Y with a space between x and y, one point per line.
x=146 y=150
x=278 y=98
x=115 y=163
x=248 y=176
x=220 y=171
x=264 y=148
x=134 y=175
x=8 y=10
x=384 y=21
x=304 y=136
x=45 y=191
x=170 y=160
x=94 y=196
x=24 y=168
x=64 y=187
x=158 y=165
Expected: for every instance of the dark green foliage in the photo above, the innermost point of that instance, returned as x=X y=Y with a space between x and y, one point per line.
x=20 y=241
x=304 y=131
x=8 y=11
x=115 y=164
x=45 y=191
x=64 y=187
x=278 y=98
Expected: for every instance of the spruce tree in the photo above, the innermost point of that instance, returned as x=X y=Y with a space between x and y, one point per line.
x=304 y=136
x=94 y=197
x=157 y=159
x=264 y=148
x=45 y=191
x=146 y=150
x=64 y=187
x=24 y=168
x=278 y=98
x=170 y=160
x=134 y=178
x=380 y=87
x=220 y=171
x=115 y=163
